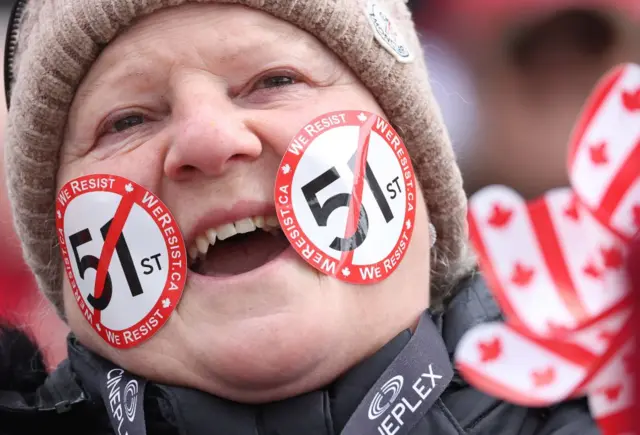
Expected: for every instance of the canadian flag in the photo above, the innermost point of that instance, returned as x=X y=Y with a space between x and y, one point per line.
x=604 y=154
x=558 y=268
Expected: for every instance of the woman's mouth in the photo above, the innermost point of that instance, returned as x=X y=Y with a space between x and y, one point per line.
x=238 y=247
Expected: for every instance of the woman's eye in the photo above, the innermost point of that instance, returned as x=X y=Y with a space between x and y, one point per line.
x=275 y=82
x=127 y=122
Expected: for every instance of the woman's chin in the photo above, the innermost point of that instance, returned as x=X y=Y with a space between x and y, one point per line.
x=267 y=359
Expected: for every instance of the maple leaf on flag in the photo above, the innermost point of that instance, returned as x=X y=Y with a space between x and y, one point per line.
x=572 y=211
x=522 y=275
x=613 y=257
x=491 y=350
x=599 y=154
x=612 y=393
x=500 y=216
x=592 y=270
x=544 y=377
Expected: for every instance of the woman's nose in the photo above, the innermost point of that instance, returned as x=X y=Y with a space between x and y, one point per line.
x=210 y=136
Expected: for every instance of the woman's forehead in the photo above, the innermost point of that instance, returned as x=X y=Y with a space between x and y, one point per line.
x=231 y=29
x=221 y=37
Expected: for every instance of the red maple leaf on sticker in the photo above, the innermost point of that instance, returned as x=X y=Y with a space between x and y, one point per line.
x=612 y=393
x=542 y=378
x=500 y=216
x=592 y=270
x=636 y=216
x=522 y=275
x=490 y=351
x=599 y=153
x=572 y=210
x=612 y=257
x=631 y=100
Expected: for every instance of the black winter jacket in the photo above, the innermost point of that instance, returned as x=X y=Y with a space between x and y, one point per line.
x=85 y=393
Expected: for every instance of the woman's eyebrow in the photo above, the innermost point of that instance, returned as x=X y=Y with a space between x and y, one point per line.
x=122 y=71
x=92 y=88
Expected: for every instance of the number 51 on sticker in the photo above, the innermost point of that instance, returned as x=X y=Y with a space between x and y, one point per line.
x=330 y=199
x=124 y=256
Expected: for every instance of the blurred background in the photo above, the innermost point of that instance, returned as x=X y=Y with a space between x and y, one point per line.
x=20 y=302
x=511 y=77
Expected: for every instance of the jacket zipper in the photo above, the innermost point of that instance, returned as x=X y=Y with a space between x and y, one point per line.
x=11 y=46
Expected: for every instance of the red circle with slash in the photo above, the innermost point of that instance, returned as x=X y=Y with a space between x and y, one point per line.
x=124 y=256
x=345 y=196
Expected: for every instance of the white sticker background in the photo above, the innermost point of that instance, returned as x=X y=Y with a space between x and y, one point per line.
x=335 y=148
x=144 y=240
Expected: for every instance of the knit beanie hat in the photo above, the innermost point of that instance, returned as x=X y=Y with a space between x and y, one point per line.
x=52 y=44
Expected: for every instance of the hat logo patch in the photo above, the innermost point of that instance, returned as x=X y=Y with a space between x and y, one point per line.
x=387 y=34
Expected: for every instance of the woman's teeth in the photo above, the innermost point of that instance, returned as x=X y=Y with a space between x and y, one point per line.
x=201 y=245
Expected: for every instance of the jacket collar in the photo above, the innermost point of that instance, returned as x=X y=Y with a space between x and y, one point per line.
x=193 y=412
x=75 y=385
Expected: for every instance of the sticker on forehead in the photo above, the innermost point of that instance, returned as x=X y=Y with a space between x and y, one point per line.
x=124 y=256
x=345 y=196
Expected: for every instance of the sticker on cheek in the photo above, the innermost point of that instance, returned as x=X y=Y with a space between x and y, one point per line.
x=345 y=196
x=124 y=256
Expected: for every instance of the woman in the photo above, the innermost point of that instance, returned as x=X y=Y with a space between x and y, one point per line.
x=197 y=103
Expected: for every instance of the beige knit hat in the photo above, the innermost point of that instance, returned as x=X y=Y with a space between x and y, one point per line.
x=52 y=44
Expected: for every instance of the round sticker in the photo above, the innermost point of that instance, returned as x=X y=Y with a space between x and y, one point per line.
x=345 y=194
x=124 y=256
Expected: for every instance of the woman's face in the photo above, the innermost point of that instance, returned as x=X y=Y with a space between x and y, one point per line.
x=198 y=104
